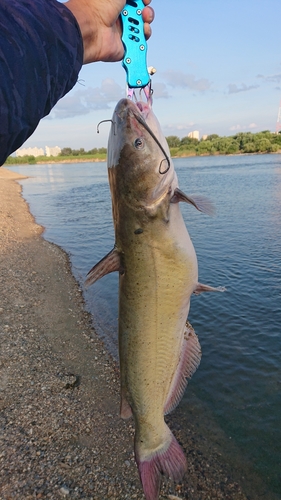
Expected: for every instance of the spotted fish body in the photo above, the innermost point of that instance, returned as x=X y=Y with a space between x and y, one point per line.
x=158 y=271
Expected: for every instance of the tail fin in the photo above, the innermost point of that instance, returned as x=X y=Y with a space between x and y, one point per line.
x=169 y=461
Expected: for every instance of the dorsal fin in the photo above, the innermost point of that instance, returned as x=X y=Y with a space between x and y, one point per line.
x=109 y=264
x=189 y=361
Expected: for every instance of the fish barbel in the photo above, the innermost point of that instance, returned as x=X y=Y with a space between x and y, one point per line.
x=158 y=272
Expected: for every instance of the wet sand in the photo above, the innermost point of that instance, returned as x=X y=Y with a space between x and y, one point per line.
x=61 y=435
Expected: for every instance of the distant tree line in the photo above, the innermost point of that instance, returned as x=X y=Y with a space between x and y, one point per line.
x=65 y=154
x=242 y=142
x=82 y=152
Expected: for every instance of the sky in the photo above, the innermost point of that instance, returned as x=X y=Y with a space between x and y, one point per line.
x=218 y=68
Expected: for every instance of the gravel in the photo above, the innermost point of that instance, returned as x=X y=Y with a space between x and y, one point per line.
x=60 y=431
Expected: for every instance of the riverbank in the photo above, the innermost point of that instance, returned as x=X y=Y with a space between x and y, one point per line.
x=55 y=160
x=78 y=159
x=61 y=435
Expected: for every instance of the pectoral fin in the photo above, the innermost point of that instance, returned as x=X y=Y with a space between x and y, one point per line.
x=202 y=203
x=206 y=288
x=109 y=264
x=188 y=364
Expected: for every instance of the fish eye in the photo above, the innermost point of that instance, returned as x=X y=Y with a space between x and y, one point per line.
x=139 y=143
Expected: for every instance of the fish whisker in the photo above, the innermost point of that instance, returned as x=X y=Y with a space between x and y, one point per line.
x=144 y=124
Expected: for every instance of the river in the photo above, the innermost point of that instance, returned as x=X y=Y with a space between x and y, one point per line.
x=239 y=379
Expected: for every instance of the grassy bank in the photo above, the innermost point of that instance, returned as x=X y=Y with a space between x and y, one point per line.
x=32 y=160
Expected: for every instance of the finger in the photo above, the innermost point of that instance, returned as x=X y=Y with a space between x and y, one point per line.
x=147 y=31
x=148 y=14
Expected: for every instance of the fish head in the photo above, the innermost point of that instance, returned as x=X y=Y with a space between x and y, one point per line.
x=139 y=163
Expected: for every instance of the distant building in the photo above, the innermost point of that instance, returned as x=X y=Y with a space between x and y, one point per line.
x=204 y=137
x=194 y=134
x=30 y=152
x=52 y=151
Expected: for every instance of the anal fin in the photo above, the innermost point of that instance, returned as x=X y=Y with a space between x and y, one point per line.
x=189 y=361
x=109 y=264
x=125 y=408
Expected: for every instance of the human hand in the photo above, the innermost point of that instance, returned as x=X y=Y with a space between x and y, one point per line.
x=101 y=28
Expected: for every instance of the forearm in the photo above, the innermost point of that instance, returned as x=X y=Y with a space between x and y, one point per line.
x=43 y=44
x=87 y=21
x=41 y=53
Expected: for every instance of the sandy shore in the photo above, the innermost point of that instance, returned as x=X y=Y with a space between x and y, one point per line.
x=61 y=435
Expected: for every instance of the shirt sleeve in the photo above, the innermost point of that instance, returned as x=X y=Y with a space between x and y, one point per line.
x=41 y=54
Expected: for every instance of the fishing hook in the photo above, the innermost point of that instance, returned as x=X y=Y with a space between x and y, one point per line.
x=103 y=121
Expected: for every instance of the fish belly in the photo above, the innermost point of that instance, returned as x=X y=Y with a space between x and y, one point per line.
x=154 y=295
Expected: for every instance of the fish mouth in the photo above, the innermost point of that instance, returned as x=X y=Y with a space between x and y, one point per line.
x=144 y=108
x=139 y=111
x=127 y=106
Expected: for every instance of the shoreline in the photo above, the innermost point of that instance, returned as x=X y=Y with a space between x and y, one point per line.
x=59 y=388
x=98 y=160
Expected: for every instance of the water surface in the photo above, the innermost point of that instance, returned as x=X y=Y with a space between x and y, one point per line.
x=239 y=379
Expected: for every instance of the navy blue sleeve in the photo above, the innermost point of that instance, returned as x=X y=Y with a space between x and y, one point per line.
x=41 y=54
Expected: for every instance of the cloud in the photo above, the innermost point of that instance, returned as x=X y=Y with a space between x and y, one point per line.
x=184 y=80
x=86 y=100
x=235 y=127
x=160 y=90
x=271 y=78
x=181 y=126
x=243 y=127
x=234 y=89
x=81 y=102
